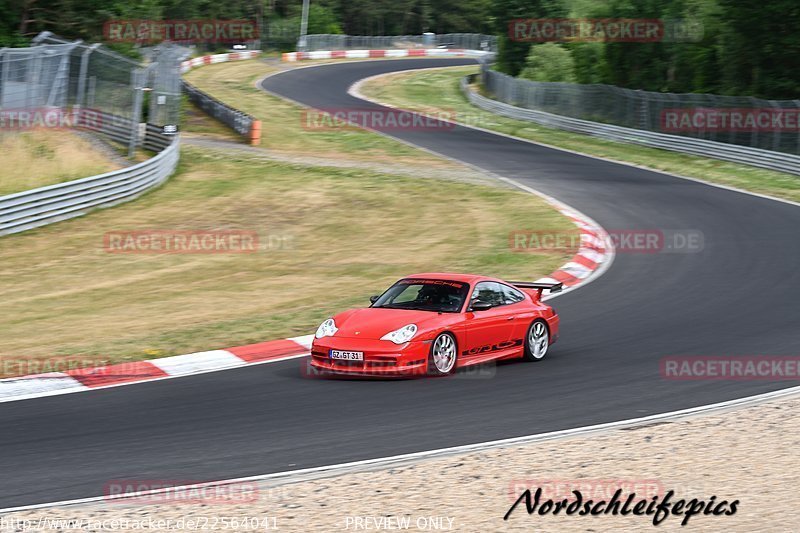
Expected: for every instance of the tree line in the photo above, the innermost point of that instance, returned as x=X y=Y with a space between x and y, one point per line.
x=744 y=47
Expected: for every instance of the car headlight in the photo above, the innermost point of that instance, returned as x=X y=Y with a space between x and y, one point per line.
x=326 y=329
x=402 y=335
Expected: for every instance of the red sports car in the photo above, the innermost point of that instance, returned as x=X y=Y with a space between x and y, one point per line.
x=435 y=323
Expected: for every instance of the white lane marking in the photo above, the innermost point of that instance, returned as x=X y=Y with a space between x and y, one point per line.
x=191 y=363
x=38 y=384
x=305 y=474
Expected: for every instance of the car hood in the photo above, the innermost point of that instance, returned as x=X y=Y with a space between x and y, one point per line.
x=374 y=322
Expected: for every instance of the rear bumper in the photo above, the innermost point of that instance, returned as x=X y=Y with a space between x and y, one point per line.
x=552 y=325
x=381 y=358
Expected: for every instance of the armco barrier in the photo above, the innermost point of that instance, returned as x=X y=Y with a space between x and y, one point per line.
x=45 y=205
x=242 y=123
x=757 y=157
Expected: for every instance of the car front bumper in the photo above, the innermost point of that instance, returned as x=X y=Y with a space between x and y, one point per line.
x=381 y=358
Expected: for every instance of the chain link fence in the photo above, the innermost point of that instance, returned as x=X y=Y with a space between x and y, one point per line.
x=89 y=81
x=470 y=41
x=97 y=90
x=741 y=120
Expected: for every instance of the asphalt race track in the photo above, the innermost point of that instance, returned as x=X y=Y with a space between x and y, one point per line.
x=739 y=296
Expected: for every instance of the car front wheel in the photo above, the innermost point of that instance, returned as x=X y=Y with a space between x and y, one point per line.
x=537 y=341
x=443 y=355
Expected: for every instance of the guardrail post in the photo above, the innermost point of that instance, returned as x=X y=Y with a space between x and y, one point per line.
x=81 y=97
x=4 y=66
x=137 y=78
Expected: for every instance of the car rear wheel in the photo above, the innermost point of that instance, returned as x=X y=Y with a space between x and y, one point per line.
x=442 y=360
x=537 y=341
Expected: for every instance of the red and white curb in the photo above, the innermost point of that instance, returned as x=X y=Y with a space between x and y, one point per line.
x=593 y=252
x=371 y=54
x=84 y=379
x=189 y=64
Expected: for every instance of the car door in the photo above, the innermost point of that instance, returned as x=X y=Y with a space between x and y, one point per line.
x=520 y=312
x=487 y=332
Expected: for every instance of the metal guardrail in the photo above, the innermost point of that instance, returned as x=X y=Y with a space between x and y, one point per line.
x=242 y=123
x=779 y=161
x=45 y=205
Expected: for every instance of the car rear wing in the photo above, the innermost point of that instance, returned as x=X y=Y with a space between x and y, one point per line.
x=539 y=287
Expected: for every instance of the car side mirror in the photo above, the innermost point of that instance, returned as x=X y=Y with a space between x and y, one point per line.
x=373 y=299
x=481 y=305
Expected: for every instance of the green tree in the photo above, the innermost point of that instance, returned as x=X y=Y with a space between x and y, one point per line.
x=549 y=62
x=760 y=50
x=458 y=16
x=589 y=62
x=512 y=54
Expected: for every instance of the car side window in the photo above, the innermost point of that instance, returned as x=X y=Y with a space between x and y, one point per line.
x=489 y=291
x=511 y=295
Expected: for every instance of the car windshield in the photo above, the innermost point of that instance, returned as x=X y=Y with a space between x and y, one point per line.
x=437 y=295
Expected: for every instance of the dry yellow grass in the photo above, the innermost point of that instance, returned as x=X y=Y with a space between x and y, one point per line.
x=282 y=122
x=36 y=158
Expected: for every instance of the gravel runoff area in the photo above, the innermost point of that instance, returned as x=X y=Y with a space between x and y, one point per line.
x=748 y=454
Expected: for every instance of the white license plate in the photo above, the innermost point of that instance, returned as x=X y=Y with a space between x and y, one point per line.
x=347 y=356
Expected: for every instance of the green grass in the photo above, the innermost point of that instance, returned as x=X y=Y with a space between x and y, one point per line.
x=352 y=232
x=437 y=90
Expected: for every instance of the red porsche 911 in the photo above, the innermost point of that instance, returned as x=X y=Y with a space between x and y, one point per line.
x=435 y=323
